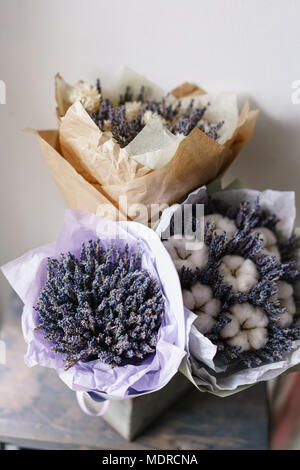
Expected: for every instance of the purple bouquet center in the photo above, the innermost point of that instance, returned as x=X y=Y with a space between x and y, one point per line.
x=124 y=129
x=101 y=305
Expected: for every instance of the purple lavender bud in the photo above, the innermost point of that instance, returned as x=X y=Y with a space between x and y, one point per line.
x=103 y=305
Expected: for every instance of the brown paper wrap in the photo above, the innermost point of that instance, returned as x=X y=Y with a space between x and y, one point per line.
x=95 y=174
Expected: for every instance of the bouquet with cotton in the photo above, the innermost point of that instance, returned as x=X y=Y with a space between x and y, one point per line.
x=123 y=119
x=240 y=286
x=99 y=307
x=126 y=149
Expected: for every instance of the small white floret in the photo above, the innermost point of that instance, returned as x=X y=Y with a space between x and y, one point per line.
x=150 y=116
x=132 y=109
x=87 y=94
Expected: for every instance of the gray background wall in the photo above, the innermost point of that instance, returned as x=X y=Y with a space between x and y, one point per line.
x=247 y=46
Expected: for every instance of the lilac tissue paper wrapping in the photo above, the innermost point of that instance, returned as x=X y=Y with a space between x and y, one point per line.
x=27 y=275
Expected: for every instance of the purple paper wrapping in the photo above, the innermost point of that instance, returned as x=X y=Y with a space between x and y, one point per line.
x=27 y=275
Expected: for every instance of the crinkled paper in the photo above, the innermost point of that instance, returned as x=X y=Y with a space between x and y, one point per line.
x=27 y=275
x=92 y=170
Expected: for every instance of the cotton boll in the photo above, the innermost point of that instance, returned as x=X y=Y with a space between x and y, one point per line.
x=222 y=224
x=285 y=298
x=188 y=299
x=231 y=329
x=248 y=268
x=285 y=290
x=212 y=307
x=176 y=246
x=87 y=94
x=132 y=109
x=238 y=272
x=186 y=251
x=258 y=338
x=289 y=304
x=249 y=316
x=204 y=323
x=199 y=299
x=201 y=294
x=244 y=283
x=269 y=241
x=199 y=256
x=241 y=341
x=247 y=328
x=285 y=319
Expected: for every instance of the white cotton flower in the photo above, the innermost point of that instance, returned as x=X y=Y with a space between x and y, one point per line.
x=187 y=251
x=247 y=328
x=87 y=94
x=238 y=272
x=222 y=224
x=199 y=299
x=285 y=296
x=150 y=116
x=269 y=242
x=132 y=109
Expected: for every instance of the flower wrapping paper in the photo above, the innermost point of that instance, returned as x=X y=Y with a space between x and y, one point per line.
x=93 y=172
x=218 y=380
x=27 y=275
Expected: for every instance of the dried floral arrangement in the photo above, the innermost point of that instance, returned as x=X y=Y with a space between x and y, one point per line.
x=125 y=119
x=240 y=285
x=129 y=138
x=99 y=307
x=102 y=305
x=243 y=295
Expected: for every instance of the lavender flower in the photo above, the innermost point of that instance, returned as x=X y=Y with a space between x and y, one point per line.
x=101 y=306
x=124 y=129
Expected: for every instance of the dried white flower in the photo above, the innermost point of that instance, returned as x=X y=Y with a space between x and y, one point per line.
x=285 y=296
x=106 y=125
x=222 y=224
x=269 y=242
x=132 y=109
x=238 y=272
x=87 y=94
x=199 y=299
x=150 y=116
x=187 y=251
x=247 y=328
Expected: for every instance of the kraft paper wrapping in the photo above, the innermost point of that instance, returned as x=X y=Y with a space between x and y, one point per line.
x=93 y=172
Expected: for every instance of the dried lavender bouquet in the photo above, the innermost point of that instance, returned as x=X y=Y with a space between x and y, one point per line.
x=240 y=288
x=133 y=141
x=126 y=118
x=99 y=307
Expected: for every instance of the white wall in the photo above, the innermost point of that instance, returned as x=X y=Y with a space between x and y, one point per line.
x=248 y=46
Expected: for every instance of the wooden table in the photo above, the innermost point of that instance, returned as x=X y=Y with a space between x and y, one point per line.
x=38 y=411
